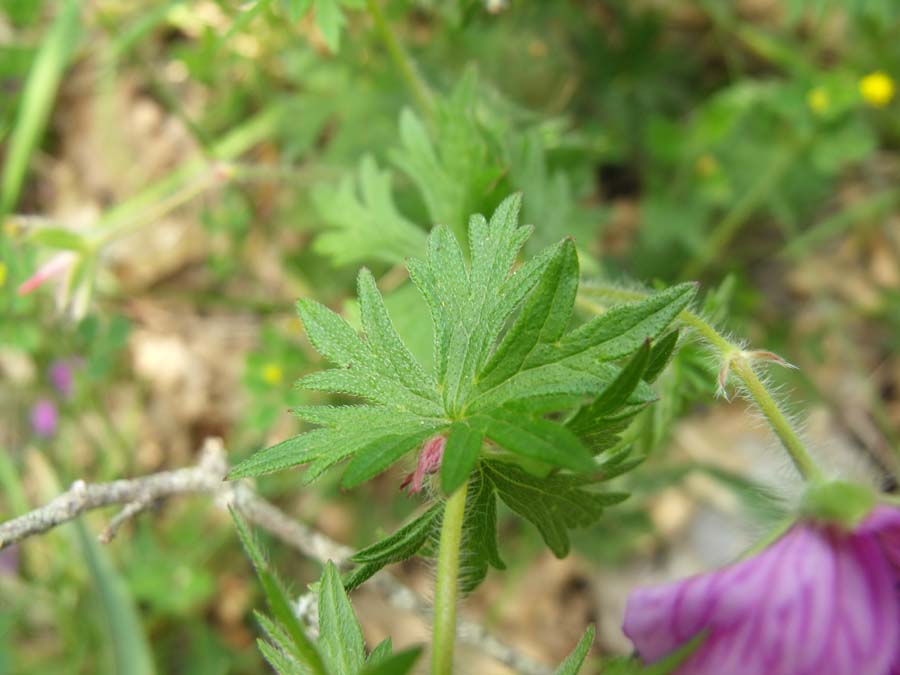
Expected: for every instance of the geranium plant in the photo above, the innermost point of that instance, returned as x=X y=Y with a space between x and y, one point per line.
x=525 y=402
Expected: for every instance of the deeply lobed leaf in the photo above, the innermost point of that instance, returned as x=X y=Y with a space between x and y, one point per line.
x=504 y=358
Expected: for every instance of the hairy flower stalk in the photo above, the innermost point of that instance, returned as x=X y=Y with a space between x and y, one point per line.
x=821 y=600
x=739 y=362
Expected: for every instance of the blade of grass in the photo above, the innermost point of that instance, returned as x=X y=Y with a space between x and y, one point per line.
x=189 y=179
x=37 y=101
x=131 y=651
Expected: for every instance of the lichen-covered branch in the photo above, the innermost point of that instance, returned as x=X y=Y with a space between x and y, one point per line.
x=205 y=478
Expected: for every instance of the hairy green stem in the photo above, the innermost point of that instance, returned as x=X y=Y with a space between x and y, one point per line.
x=776 y=419
x=447 y=583
x=740 y=364
x=404 y=64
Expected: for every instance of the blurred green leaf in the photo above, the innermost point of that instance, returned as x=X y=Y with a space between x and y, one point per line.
x=51 y=60
x=131 y=650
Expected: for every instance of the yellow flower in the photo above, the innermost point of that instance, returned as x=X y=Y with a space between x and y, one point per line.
x=817 y=100
x=877 y=89
x=2 y=274
x=272 y=373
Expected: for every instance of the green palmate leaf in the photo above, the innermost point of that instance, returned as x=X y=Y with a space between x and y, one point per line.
x=360 y=575
x=615 y=395
x=280 y=603
x=400 y=663
x=330 y=19
x=574 y=661
x=280 y=644
x=535 y=438
x=660 y=356
x=503 y=360
x=365 y=223
x=460 y=455
x=403 y=543
x=327 y=446
x=378 y=456
x=551 y=204
x=623 y=329
x=382 y=650
x=386 y=343
x=542 y=320
x=454 y=171
x=363 y=373
x=340 y=637
x=553 y=504
x=280 y=663
x=296 y=8
x=575 y=364
x=444 y=282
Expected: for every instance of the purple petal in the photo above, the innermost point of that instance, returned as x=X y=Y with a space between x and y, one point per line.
x=884 y=523
x=62 y=377
x=817 y=602
x=44 y=418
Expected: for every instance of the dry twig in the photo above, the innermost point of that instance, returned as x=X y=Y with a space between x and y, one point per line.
x=207 y=478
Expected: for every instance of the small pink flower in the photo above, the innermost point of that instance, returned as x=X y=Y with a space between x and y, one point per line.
x=429 y=462
x=56 y=266
x=819 y=601
x=44 y=418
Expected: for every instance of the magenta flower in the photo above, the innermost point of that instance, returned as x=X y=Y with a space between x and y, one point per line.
x=44 y=418
x=819 y=601
x=429 y=462
x=61 y=376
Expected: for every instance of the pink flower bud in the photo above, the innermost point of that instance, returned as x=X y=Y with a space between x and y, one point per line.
x=429 y=462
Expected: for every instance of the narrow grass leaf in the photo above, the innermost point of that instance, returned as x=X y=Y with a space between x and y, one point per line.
x=37 y=100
